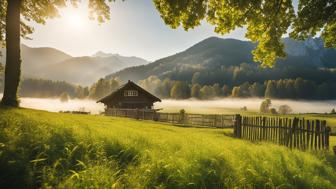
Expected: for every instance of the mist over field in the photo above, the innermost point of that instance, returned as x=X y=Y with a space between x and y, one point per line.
x=217 y=106
x=226 y=105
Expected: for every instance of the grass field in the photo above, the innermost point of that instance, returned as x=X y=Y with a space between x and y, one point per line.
x=331 y=119
x=52 y=150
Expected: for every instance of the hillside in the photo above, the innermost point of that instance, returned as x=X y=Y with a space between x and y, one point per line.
x=86 y=70
x=50 y=63
x=52 y=150
x=37 y=59
x=215 y=53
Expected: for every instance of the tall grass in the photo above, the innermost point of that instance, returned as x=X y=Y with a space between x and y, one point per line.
x=50 y=150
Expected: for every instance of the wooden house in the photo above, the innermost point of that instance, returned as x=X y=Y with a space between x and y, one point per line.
x=130 y=96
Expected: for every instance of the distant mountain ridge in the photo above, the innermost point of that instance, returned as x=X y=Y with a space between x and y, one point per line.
x=50 y=63
x=213 y=53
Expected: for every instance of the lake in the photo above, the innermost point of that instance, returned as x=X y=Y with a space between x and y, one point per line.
x=219 y=106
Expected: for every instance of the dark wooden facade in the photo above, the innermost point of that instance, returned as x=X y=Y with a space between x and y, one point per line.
x=130 y=96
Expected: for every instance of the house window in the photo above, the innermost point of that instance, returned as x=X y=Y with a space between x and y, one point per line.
x=130 y=93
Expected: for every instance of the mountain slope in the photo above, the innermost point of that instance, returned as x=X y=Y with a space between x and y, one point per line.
x=36 y=60
x=85 y=70
x=50 y=63
x=213 y=53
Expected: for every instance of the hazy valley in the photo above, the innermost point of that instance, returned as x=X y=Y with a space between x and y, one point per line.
x=53 y=64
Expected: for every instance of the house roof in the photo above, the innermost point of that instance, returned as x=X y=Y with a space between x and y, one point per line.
x=128 y=84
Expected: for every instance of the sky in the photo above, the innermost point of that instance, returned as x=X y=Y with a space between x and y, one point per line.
x=135 y=29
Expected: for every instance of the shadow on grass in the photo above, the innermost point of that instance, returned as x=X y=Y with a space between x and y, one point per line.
x=206 y=172
x=121 y=153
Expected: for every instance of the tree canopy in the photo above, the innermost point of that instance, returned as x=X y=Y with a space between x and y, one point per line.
x=266 y=21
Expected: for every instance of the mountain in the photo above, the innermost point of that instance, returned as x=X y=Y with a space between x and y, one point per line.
x=85 y=70
x=50 y=63
x=214 y=53
x=35 y=60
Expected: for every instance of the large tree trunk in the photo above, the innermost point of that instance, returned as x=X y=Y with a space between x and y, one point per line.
x=13 y=60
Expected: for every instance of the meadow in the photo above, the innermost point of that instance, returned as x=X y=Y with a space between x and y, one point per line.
x=307 y=109
x=41 y=149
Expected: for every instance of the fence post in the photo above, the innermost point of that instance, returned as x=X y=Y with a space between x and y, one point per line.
x=263 y=128
x=293 y=133
x=237 y=126
x=327 y=134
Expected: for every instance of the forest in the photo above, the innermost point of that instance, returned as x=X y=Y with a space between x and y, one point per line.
x=245 y=80
x=41 y=88
x=240 y=85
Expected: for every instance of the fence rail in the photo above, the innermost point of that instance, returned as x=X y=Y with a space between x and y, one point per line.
x=196 y=120
x=292 y=132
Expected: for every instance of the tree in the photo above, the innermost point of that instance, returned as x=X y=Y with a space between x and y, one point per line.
x=226 y=90
x=270 y=89
x=273 y=111
x=151 y=84
x=265 y=105
x=217 y=89
x=266 y=21
x=12 y=27
x=235 y=92
x=333 y=111
x=195 y=78
x=257 y=90
x=207 y=92
x=195 y=91
x=180 y=90
x=64 y=97
x=285 y=109
x=165 y=87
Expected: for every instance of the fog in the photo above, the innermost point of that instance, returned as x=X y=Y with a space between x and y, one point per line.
x=252 y=104
x=225 y=105
x=55 y=105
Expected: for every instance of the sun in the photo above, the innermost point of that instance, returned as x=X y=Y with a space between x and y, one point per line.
x=76 y=20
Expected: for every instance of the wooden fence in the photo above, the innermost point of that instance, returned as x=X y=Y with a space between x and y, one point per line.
x=292 y=132
x=195 y=120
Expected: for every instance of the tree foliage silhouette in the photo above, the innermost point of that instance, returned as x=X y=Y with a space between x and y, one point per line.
x=266 y=21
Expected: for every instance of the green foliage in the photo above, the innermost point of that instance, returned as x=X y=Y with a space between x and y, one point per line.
x=314 y=17
x=207 y=92
x=50 y=150
x=280 y=89
x=195 y=91
x=103 y=87
x=333 y=111
x=82 y=92
x=41 y=88
x=180 y=90
x=273 y=111
x=285 y=109
x=235 y=92
x=266 y=21
x=182 y=116
x=64 y=97
x=40 y=11
x=228 y=61
x=152 y=84
x=14 y=16
x=265 y=106
x=270 y=89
